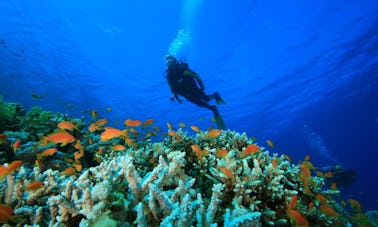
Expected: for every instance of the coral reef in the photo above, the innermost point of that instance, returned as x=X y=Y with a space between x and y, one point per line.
x=9 y=115
x=124 y=178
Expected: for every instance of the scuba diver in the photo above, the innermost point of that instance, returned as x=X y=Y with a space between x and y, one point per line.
x=185 y=82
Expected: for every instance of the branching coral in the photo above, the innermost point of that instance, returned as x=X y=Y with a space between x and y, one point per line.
x=225 y=178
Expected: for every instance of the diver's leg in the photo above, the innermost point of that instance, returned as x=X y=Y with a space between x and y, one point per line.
x=218 y=118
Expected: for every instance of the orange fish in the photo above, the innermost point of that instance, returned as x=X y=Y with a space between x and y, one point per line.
x=305 y=171
x=195 y=128
x=62 y=137
x=307 y=158
x=333 y=186
x=311 y=205
x=251 y=149
x=221 y=153
x=78 y=167
x=355 y=205
x=214 y=133
x=3 y=172
x=296 y=218
x=6 y=214
x=274 y=163
x=148 y=122
x=33 y=186
x=132 y=123
x=227 y=172
x=328 y=174
x=78 y=154
x=93 y=127
x=108 y=109
x=100 y=151
x=101 y=122
x=69 y=171
x=47 y=152
x=129 y=141
x=327 y=210
x=119 y=147
x=293 y=202
x=182 y=125
x=172 y=133
x=16 y=145
x=287 y=157
x=198 y=152
x=111 y=133
x=270 y=143
x=3 y=138
x=170 y=127
x=321 y=198
x=94 y=114
x=66 y=125
x=13 y=166
x=78 y=145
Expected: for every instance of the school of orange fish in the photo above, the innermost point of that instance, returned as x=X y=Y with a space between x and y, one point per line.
x=64 y=135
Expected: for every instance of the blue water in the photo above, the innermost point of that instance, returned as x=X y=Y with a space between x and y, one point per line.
x=301 y=73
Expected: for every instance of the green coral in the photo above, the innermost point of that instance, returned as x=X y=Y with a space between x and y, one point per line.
x=39 y=122
x=9 y=115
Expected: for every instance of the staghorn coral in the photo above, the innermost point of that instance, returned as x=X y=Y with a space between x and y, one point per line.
x=169 y=184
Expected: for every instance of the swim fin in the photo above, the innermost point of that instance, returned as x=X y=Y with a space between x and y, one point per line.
x=219 y=121
x=218 y=99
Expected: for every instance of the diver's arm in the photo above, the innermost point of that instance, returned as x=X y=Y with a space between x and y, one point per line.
x=196 y=77
x=175 y=96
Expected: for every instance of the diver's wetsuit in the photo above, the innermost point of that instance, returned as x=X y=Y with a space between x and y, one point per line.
x=185 y=82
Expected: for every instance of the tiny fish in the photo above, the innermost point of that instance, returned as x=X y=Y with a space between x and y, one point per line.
x=36 y=96
x=195 y=128
x=69 y=171
x=101 y=122
x=214 y=133
x=48 y=152
x=58 y=137
x=221 y=153
x=33 y=186
x=270 y=143
x=132 y=123
x=94 y=114
x=148 y=122
x=119 y=147
x=169 y=125
x=13 y=166
x=111 y=133
x=251 y=149
x=66 y=125
x=227 y=172
x=16 y=145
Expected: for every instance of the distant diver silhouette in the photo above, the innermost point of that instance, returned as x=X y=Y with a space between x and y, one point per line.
x=185 y=82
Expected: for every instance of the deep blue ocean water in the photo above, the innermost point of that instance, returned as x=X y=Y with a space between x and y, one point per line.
x=301 y=73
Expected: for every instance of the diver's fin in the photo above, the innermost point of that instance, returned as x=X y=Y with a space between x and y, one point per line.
x=219 y=121
x=218 y=99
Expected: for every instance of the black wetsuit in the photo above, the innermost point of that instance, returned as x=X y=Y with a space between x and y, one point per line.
x=186 y=83
x=183 y=81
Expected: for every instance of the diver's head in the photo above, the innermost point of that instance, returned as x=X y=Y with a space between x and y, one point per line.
x=170 y=60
